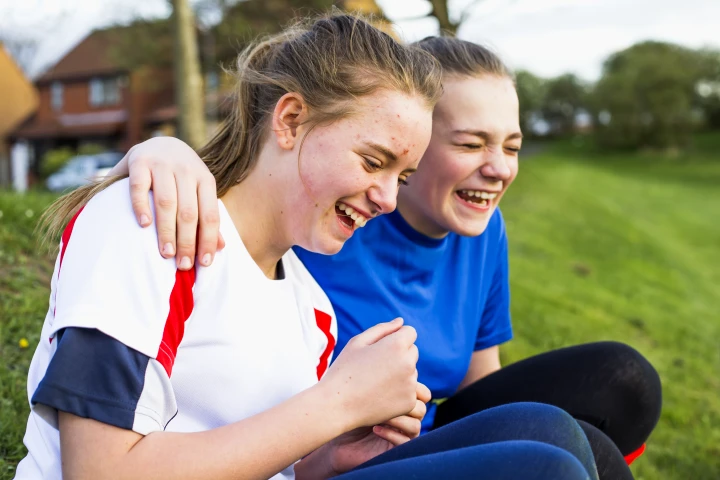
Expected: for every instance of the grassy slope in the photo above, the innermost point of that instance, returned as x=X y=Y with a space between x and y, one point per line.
x=622 y=248
x=24 y=290
x=627 y=248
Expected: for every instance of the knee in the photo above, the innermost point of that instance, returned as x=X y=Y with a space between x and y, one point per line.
x=551 y=462
x=542 y=422
x=542 y=414
x=634 y=380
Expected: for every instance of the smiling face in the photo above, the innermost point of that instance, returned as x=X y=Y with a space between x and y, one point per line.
x=471 y=161
x=350 y=170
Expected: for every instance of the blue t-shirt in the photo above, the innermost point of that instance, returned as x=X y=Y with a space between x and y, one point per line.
x=453 y=290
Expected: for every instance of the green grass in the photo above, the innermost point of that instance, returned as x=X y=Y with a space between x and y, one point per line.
x=622 y=247
x=626 y=248
x=24 y=291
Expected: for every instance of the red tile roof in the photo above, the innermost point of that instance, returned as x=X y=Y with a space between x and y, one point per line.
x=89 y=58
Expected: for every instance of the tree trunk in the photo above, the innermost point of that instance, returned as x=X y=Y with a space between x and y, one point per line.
x=440 y=11
x=188 y=80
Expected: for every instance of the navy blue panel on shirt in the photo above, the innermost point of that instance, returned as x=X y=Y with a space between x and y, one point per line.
x=454 y=291
x=93 y=376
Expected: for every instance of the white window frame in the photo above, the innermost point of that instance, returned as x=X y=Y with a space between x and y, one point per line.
x=104 y=91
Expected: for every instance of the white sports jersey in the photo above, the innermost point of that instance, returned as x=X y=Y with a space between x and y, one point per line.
x=131 y=341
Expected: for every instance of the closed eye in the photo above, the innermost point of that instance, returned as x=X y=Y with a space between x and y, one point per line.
x=472 y=146
x=372 y=164
x=513 y=149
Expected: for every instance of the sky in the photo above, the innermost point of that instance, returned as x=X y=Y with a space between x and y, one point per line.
x=547 y=37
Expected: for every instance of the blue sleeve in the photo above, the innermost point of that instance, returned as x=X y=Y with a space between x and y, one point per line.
x=92 y=375
x=495 y=327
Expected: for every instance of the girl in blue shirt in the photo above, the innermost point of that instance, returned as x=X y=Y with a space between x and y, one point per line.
x=441 y=262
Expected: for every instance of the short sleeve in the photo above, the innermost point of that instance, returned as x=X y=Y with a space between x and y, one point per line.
x=117 y=321
x=495 y=327
x=92 y=375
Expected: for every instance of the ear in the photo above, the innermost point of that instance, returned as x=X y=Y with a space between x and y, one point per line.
x=288 y=120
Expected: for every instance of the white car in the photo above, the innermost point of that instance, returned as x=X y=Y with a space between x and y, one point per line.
x=82 y=170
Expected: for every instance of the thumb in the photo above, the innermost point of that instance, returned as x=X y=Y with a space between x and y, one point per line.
x=378 y=332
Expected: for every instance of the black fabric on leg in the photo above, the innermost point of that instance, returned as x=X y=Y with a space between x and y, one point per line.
x=610 y=462
x=606 y=384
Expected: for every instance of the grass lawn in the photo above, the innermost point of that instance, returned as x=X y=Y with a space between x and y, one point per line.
x=627 y=248
x=623 y=247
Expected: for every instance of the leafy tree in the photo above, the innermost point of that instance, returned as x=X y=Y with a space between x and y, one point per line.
x=645 y=96
x=242 y=21
x=565 y=97
x=531 y=93
x=708 y=88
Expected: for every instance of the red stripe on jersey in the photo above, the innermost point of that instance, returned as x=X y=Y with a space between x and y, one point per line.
x=65 y=240
x=324 y=321
x=181 y=305
x=66 y=236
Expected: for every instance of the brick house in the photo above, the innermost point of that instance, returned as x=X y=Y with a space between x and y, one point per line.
x=90 y=97
x=18 y=99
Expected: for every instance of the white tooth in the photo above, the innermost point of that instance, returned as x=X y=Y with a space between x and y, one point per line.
x=484 y=195
x=483 y=203
x=342 y=207
x=354 y=216
x=492 y=195
x=349 y=210
x=360 y=222
x=478 y=194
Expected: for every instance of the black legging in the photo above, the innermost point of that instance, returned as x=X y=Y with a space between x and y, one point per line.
x=609 y=387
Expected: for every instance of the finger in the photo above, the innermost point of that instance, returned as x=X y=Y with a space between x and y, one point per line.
x=165 y=199
x=140 y=184
x=419 y=411
x=405 y=424
x=415 y=353
x=209 y=215
x=221 y=241
x=423 y=393
x=390 y=435
x=378 y=332
x=187 y=221
x=408 y=334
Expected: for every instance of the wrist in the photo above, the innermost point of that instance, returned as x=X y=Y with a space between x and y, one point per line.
x=337 y=412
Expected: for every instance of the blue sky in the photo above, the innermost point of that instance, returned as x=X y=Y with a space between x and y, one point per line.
x=548 y=37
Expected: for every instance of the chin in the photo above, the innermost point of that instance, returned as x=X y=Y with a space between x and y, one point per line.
x=327 y=246
x=471 y=229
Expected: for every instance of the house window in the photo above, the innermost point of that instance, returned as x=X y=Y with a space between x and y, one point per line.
x=56 y=96
x=104 y=91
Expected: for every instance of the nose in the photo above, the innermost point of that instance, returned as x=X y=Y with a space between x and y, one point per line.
x=496 y=166
x=383 y=194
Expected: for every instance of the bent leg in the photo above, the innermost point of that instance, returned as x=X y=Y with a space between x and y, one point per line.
x=610 y=462
x=607 y=384
x=520 y=421
x=514 y=460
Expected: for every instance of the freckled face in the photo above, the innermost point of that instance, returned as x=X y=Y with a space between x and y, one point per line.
x=471 y=161
x=350 y=170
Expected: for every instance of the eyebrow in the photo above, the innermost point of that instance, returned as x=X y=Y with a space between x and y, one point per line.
x=384 y=150
x=486 y=136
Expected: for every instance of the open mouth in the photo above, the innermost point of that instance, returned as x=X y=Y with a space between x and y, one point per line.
x=477 y=197
x=349 y=217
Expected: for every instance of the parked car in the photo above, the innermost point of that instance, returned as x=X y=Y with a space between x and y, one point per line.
x=82 y=170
